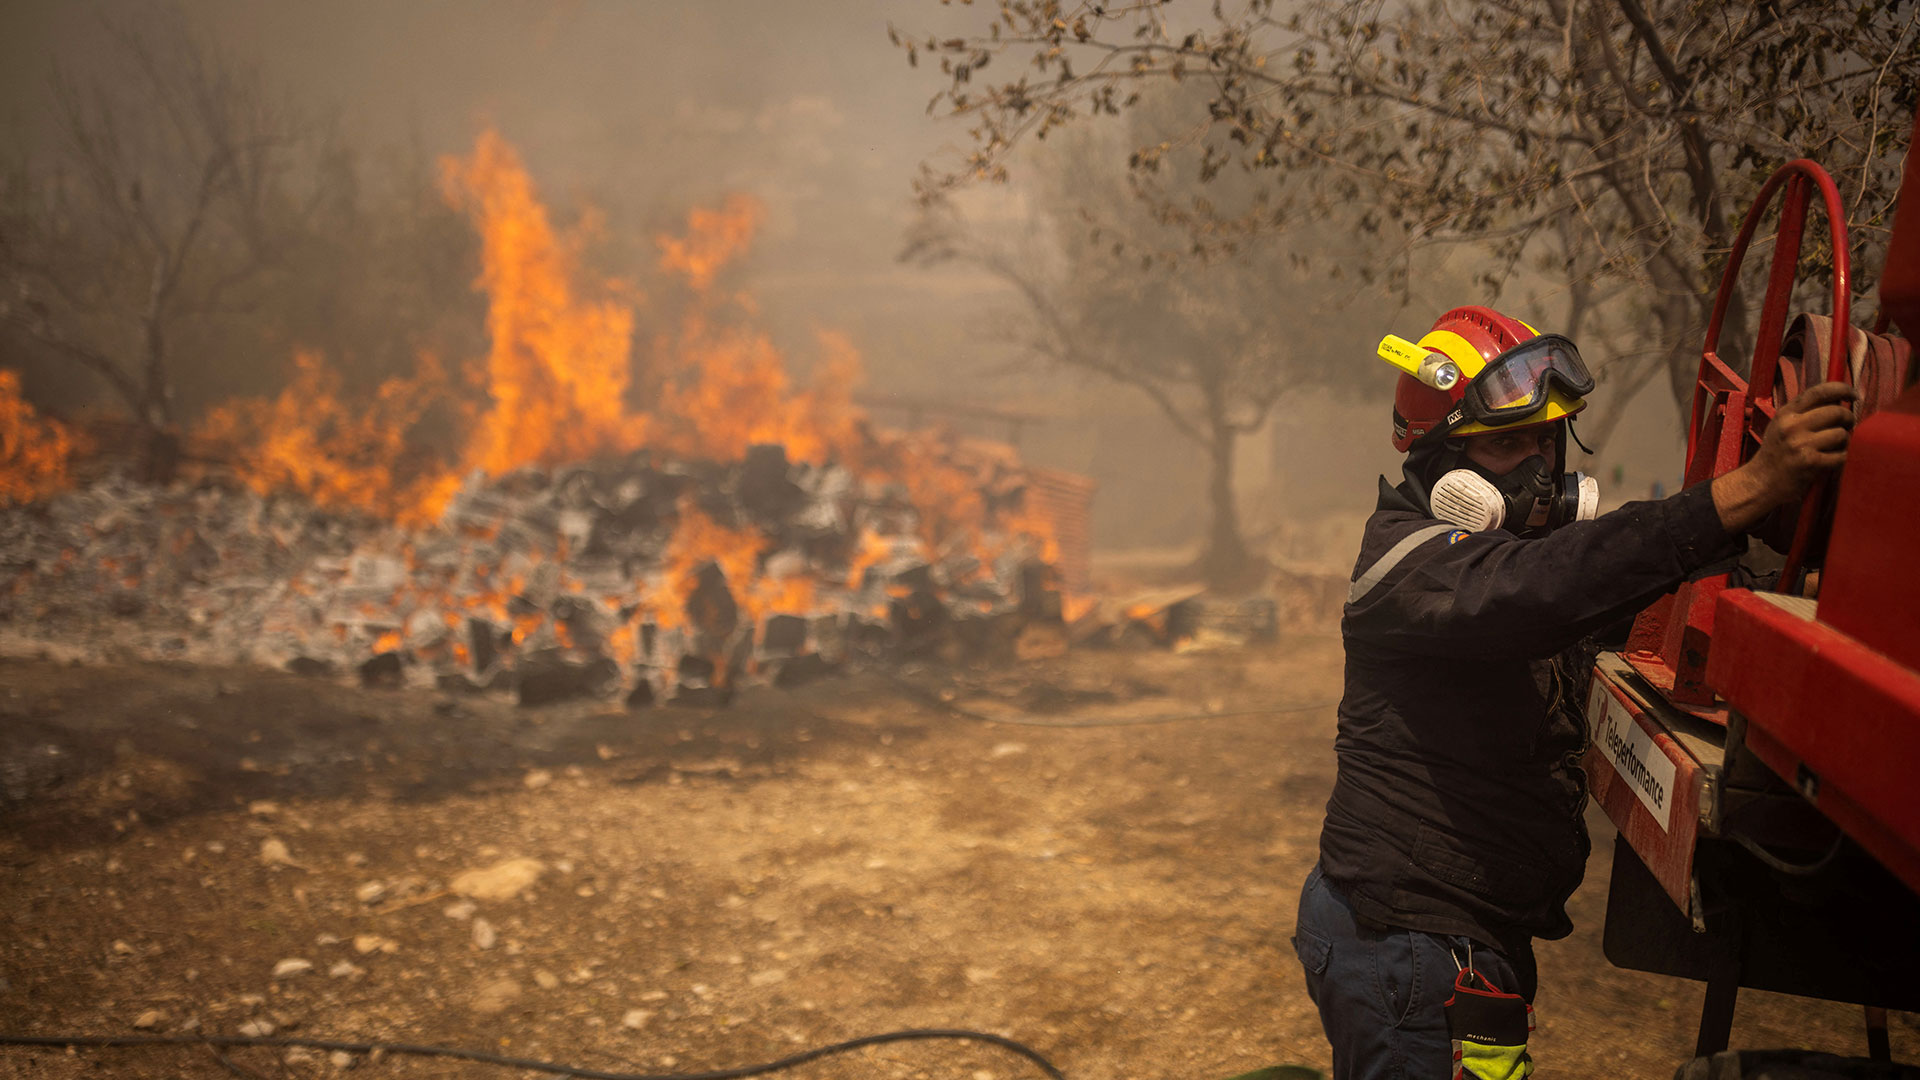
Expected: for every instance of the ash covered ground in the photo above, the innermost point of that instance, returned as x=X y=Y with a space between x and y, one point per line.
x=678 y=889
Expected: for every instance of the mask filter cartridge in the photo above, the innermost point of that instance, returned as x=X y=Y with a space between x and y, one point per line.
x=1589 y=498
x=1467 y=499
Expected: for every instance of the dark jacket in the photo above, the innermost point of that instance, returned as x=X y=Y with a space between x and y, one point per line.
x=1457 y=808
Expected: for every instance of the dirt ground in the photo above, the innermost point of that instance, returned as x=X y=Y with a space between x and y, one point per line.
x=721 y=888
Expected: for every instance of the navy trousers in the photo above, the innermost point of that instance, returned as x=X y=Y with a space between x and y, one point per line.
x=1382 y=992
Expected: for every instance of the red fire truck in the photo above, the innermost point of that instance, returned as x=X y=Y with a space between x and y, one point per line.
x=1756 y=739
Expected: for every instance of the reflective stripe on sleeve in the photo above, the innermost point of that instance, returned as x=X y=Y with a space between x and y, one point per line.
x=1365 y=582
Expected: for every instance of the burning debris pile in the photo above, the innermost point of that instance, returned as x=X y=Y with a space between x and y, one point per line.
x=583 y=511
x=639 y=578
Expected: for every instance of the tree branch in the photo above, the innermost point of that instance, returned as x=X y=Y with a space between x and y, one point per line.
x=93 y=361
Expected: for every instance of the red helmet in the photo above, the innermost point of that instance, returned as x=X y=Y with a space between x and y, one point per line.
x=1470 y=337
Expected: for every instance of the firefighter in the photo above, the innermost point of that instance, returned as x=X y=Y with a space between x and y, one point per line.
x=1454 y=835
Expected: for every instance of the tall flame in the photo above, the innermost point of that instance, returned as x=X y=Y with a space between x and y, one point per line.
x=559 y=367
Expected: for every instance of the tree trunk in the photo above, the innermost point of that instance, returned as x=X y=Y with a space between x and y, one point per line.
x=1681 y=332
x=160 y=457
x=1226 y=563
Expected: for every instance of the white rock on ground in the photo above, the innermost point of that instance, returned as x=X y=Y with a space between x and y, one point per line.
x=501 y=881
x=496 y=997
x=291 y=966
x=149 y=1020
x=274 y=852
x=484 y=936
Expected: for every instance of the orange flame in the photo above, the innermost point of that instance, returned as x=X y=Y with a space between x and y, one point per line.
x=559 y=366
x=697 y=541
x=873 y=548
x=732 y=392
x=714 y=238
x=560 y=382
x=33 y=450
x=339 y=454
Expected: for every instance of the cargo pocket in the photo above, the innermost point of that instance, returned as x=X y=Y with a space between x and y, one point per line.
x=1313 y=951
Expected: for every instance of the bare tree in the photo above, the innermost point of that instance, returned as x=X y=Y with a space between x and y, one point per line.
x=1634 y=130
x=164 y=202
x=1215 y=343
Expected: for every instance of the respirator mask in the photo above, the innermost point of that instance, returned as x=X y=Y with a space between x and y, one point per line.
x=1529 y=499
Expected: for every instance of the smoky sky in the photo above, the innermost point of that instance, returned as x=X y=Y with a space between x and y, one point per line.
x=645 y=109
x=640 y=109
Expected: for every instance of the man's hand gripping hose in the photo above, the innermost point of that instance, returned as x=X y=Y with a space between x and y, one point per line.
x=1805 y=439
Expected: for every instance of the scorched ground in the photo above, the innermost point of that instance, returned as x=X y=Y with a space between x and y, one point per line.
x=715 y=887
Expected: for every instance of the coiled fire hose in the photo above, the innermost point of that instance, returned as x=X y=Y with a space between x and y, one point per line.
x=218 y=1041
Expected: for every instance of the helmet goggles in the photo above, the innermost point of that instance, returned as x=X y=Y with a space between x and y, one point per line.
x=1514 y=384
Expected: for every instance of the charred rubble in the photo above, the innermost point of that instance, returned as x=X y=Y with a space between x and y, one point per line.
x=546 y=584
